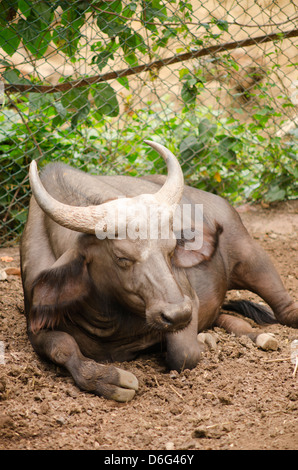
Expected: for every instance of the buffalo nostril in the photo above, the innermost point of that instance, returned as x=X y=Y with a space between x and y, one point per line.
x=169 y=316
x=166 y=320
x=175 y=319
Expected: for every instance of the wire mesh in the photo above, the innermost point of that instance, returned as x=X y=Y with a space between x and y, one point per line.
x=87 y=82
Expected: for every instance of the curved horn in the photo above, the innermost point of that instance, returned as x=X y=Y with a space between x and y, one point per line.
x=172 y=190
x=80 y=219
x=93 y=219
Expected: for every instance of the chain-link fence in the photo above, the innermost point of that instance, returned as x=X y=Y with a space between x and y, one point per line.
x=87 y=82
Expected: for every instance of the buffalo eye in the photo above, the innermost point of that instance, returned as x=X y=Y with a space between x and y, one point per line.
x=124 y=262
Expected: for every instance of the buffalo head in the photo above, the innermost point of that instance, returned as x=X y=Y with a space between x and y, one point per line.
x=127 y=248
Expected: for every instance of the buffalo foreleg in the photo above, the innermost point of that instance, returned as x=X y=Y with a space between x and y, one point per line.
x=107 y=381
x=256 y=272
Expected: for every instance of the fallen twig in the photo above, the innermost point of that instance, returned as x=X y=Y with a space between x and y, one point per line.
x=280 y=359
x=177 y=393
x=156 y=380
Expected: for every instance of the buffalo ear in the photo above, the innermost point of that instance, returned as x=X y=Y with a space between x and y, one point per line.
x=189 y=253
x=57 y=291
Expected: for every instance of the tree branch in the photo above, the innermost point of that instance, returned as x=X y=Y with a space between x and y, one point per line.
x=227 y=46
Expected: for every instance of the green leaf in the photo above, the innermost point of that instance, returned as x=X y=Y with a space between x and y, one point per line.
x=151 y=10
x=20 y=216
x=226 y=147
x=66 y=36
x=164 y=37
x=9 y=40
x=102 y=59
x=105 y=100
x=115 y=6
x=25 y=7
x=104 y=51
x=130 y=9
x=293 y=170
x=67 y=39
x=154 y=9
x=111 y=28
x=80 y=115
x=43 y=12
x=124 y=82
x=190 y=147
x=221 y=24
x=38 y=100
x=131 y=59
x=132 y=158
x=35 y=37
x=75 y=99
x=110 y=24
x=62 y=112
x=189 y=94
x=207 y=129
x=4 y=62
x=8 y=11
x=13 y=76
x=130 y=40
x=183 y=72
x=275 y=193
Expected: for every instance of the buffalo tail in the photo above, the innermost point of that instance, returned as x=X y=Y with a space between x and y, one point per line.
x=260 y=314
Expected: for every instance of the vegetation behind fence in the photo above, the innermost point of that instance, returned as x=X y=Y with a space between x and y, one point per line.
x=87 y=82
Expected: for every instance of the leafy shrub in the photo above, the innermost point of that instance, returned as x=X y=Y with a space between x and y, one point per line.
x=83 y=127
x=217 y=154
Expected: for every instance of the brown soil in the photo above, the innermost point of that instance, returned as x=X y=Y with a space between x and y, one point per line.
x=238 y=397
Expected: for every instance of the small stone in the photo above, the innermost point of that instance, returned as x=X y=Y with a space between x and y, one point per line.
x=225 y=399
x=44 y=408
x=60 y=420
x=200 y=432
x=6 y=421
x=174 y=374
x=170 y=446
x=208 y=339
x=2 y=385
x=3 y=275
x=72 y=392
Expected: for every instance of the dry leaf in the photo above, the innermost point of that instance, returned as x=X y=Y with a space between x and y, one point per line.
x=13 y=271
x=6 y=259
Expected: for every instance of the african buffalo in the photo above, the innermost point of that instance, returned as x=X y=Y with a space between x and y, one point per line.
x=93 y=297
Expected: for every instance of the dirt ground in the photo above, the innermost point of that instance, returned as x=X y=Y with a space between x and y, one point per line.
x=238 y=397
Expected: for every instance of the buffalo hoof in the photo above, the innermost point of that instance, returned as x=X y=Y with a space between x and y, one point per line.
x=106 y=381
x=127 y=385
x=267 y=342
